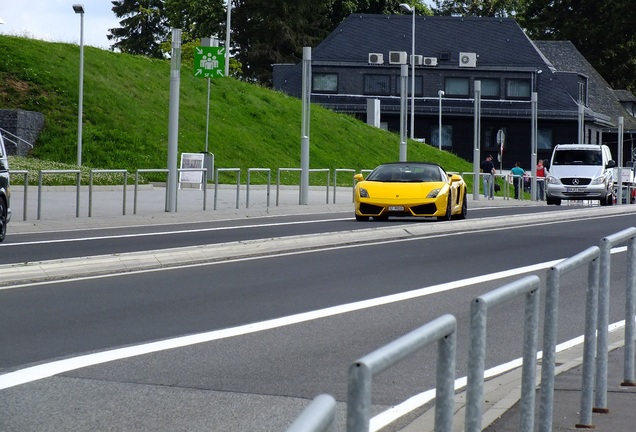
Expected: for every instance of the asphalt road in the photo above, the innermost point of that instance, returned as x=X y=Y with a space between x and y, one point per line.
x=247 y=376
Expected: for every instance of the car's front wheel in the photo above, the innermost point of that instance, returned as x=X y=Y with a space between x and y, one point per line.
x=3 y=219
x=448 y=214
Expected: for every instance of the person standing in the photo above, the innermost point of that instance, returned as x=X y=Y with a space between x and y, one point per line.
x=541 y=175
x=517 y=178
x=488 y=177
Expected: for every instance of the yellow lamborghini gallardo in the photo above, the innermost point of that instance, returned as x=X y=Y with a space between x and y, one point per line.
x=410 y=189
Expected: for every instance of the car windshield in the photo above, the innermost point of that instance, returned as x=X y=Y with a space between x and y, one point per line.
x=577 y=157
x=406 y=173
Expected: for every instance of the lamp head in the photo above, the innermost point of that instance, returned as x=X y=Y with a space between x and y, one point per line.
x=78 y=8
x=407 y=7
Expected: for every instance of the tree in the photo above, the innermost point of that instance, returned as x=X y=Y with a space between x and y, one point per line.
x=602 y=31
x=143 y=27
x=482 y=8
x=265 y=32
x=196 y=18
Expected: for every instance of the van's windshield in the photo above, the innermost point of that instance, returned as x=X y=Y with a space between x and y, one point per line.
x=577 y=157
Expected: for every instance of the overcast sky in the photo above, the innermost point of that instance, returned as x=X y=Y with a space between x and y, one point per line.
x=55 y=20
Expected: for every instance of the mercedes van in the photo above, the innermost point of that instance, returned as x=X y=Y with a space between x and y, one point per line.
x=580 y=172
x=5 y=210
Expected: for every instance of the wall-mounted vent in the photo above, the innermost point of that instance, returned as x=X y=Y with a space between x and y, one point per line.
x=467 y=59
x=430 y=61
x=444 y=55
x=397 y=57
x=416 y=60
x=376 y=58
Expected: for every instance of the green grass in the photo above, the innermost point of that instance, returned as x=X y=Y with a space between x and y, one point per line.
x=126 y=104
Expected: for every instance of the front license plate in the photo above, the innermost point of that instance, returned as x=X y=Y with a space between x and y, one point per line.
x=574 y=189
x=396 y=208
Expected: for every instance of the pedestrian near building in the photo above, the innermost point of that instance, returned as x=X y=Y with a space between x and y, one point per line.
x=488 y=177
x=517 y=178
x=541 y=174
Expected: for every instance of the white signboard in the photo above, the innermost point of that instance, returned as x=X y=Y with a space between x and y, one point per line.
x=192 y=161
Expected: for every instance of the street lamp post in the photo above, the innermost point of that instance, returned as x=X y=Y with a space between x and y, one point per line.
x=412 y=11
x=440 y=93
x=79 y=9
x=228 y=28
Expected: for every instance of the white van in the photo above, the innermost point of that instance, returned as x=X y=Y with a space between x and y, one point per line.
x=580 y=172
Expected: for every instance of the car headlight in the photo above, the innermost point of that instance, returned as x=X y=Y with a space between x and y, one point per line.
x=598 y=180
x=553 y=180
x=363 y=193
x=433 y=193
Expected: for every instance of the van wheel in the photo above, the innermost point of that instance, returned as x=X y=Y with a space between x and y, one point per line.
x=553 y=201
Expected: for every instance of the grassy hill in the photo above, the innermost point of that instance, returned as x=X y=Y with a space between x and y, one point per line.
x=126 y=104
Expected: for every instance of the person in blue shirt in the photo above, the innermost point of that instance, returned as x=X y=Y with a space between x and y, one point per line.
x=517 y=178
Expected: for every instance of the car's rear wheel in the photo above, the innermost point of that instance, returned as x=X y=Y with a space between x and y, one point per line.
x=361 y=218
x=3 y=219
x=448 y=214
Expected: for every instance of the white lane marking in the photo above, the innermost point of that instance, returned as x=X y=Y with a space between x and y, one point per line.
x=46 y=370
x=160 y=233
x=389 y=416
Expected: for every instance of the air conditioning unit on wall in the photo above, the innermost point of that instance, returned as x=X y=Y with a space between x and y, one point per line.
x=397 y=57
x=376 y=58
x=430 y=61
x=416 y=60
x=467 y=59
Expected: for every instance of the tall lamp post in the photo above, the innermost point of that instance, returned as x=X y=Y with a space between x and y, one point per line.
x=79 y=9
x=412 y=11
x=440 y=93
x=228 y=28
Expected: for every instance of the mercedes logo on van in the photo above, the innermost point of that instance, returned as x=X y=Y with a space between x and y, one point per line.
x=575 y=181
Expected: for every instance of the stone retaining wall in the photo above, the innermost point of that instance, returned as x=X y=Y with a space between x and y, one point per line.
x=26 y=125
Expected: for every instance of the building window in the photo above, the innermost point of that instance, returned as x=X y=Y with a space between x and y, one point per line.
x=518 y=88
x=456 y=86
x=447 y=136
x=418 y=85
x=325 y=82
x=490 y=88
x=377 y=84
x=544 y=139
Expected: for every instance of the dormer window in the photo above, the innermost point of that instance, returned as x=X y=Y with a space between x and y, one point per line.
x=518 y=88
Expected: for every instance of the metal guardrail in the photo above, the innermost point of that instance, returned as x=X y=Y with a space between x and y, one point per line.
x=627 y=236
x=361 y=372
x=319 y=416
x=90 y=186
x=247 y=190
x=25 y=178
x=529 y=287
x=203 y=186
x=588 y=257
x=335 y=180
x=55 y=172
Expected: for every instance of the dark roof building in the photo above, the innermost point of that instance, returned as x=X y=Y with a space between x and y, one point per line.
x=362 y=60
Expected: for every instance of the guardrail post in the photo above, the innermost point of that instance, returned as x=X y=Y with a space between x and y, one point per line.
x=335 y=180
x=477 y=350
x=550 y=331
x=247 y=190
x=238 y=183
x=361 y=372
x=630 y=313
x=25 y=191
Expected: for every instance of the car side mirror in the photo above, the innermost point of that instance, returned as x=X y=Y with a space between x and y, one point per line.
x=611 y=163
x=455 y=178
x=358 y=177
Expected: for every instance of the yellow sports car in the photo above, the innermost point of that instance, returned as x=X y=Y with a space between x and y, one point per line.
x=410 y=189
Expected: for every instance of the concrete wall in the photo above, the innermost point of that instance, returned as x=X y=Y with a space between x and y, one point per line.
x=25 y=125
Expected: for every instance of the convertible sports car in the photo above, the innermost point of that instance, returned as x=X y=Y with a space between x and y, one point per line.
x=410 y=189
